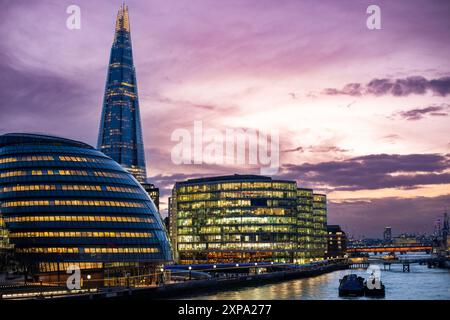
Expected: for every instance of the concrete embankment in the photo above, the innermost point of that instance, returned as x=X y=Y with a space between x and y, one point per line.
x=192 y=288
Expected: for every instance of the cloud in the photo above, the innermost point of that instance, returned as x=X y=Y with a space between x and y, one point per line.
x=351 y=89
x=374 y=172
x=186 y=104
x=420 y=113
x=326 y=149
x=399 y=87
x=391 y=138
x=326 y=146
x=297 y=149
x=440 y=86
x=293 y=95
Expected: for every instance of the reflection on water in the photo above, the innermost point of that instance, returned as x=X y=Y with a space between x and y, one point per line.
x=420 y=283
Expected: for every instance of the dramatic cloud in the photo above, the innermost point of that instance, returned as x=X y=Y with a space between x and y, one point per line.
x=244 y=64
x=395 y=87
x=374 y=172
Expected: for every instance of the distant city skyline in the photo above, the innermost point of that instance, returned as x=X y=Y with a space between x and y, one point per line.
x=363 y=114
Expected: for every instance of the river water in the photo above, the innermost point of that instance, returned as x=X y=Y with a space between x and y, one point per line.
x=420 y=283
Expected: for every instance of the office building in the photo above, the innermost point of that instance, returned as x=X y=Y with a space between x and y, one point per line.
x=320 y=225
x=153 y=192
x=246 y=218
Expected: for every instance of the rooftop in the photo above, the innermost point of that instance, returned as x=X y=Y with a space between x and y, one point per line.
x=30 y=138
x=231 y=178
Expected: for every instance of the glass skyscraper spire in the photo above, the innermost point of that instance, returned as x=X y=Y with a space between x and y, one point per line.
x=120 y=135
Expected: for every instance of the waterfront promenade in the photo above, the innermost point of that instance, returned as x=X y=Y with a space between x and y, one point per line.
x=172 y=290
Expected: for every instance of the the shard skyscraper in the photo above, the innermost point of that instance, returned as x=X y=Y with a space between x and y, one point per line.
x=120 y=135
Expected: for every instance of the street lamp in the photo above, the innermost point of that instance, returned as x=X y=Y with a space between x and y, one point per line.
x=162 y=275
x=190 y=273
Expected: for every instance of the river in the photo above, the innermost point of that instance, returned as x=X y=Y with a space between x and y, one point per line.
x=420 y=283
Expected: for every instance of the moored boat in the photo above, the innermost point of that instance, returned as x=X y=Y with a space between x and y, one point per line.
x=351 y=286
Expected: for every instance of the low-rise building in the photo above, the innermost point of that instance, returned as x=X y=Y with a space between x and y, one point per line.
x=337 y=242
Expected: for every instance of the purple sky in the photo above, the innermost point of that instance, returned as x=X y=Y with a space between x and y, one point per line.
x=363 y=114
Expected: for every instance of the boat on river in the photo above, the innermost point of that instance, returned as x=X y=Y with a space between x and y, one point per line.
x=351 y=285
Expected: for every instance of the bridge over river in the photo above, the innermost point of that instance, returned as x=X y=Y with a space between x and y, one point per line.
x=430 y=261
x=391 y=248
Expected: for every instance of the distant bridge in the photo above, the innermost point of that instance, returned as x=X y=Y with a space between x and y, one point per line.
x=390 y=248
x=431 y=262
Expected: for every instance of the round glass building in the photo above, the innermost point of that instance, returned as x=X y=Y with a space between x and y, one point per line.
x=65 y=203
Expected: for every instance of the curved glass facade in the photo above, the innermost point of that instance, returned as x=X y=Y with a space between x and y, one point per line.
x=244 y=218
x=65 y=202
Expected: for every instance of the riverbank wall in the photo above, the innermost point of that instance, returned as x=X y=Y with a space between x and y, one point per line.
x=197 y=287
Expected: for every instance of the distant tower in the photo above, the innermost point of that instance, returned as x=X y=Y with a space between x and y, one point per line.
x=438 y=228
x=445 y=230
x=445 y=227
x=387 y=235
x=120 y=135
